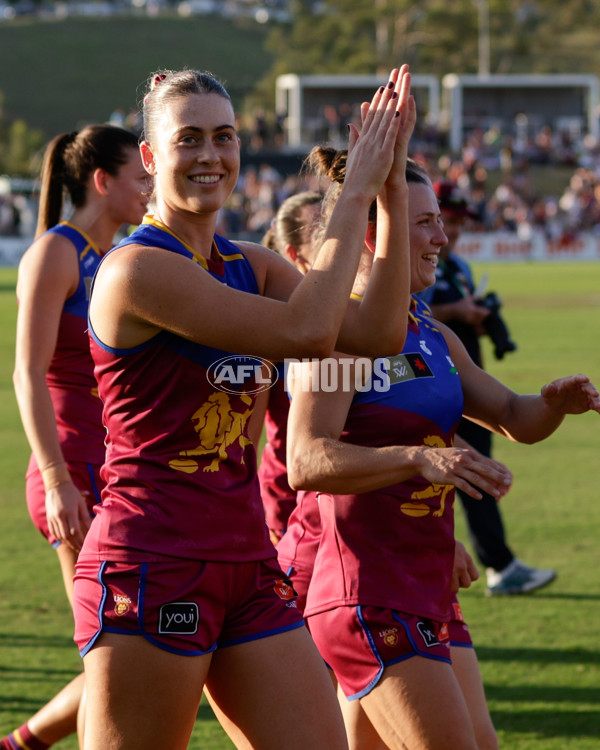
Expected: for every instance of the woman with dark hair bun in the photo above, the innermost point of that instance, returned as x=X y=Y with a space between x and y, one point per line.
x=99 y=171
x=377 y=465
x=290 y=235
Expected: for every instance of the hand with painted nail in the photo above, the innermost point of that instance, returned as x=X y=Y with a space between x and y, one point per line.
x=406 y=111
x=371 y=151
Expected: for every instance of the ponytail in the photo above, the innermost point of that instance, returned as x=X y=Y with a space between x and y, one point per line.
x=53 y=182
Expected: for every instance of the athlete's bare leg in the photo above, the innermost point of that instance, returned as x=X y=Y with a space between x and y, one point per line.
x=81 y=719
x=139 y=696
x=361 y=733
x=418 y=705
x=466 y=669
x=58 y=718
x=278 y=694
x=231 y=730
x=67 y=558
x=234 y=732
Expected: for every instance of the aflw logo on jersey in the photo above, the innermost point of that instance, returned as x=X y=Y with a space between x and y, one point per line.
x=407 y=367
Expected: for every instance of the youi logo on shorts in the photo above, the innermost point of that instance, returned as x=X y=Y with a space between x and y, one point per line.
x=178 y=617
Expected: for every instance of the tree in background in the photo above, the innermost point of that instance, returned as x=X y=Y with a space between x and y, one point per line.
x=435 y=36
x=20 y=146
x=20 y=151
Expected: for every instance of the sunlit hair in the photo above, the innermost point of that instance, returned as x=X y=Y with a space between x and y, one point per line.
x=70 y=159
x=331 y=163
x=165 y=85
x=288 y=227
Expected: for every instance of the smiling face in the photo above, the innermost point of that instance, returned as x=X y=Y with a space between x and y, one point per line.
x=129 y=190
x=194 y=156
x=426 y=235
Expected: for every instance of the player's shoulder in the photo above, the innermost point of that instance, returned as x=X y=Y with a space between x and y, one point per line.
x=262 y=258
x=252 y=249
x=49 y=249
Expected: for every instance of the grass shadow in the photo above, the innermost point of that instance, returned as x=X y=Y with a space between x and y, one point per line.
x=542 y=724
x=538 y=655
x=32 y=640
x=33 y=674
x=543 y=693
x=543 y=594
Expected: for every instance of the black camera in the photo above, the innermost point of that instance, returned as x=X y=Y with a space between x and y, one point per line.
x=494 y=325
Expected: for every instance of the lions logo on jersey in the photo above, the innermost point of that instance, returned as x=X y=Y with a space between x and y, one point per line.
x=218 y=427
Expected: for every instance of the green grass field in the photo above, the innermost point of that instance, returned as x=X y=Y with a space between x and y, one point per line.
x=64 y=74
x=539 y=654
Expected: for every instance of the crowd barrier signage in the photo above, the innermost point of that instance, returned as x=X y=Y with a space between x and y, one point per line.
x=507 y=246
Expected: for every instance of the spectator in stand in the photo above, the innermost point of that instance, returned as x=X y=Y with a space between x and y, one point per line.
x=10 y=217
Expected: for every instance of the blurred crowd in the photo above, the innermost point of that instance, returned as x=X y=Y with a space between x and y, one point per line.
x=504 y=186
x=18 y=214
x=499 y=175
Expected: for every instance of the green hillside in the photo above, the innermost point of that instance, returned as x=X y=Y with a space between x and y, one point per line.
x=62 y=74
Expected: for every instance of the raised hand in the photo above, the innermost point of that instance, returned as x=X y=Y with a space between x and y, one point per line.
x=399 y=84
x=571 y=395
x=371 y=152
x=407 y=113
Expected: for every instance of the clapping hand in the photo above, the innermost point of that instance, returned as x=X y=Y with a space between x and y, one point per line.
x=372 y=151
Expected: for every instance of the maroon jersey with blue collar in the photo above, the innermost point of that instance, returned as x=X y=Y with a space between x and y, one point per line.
x=394 y=547
x=180 y=470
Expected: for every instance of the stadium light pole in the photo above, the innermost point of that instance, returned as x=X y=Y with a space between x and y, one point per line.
x=483 y=12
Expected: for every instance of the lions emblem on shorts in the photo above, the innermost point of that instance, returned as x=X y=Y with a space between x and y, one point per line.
x=390 y=637
x=122 y=604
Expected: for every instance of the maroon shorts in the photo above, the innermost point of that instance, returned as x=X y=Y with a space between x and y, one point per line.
x=86 y=477
x=458 y=630
x=186 y=607
x=358 y=643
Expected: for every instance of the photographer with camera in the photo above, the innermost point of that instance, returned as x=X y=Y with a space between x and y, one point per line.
x=454 y=302
x=494 y=325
